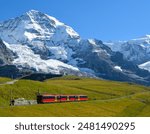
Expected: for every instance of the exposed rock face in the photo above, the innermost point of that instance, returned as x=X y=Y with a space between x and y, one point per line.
x=6 y=55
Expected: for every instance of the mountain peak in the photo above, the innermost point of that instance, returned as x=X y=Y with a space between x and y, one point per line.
x=33 y=11
x=37 y=15
x=145 y=37
x=35 y=25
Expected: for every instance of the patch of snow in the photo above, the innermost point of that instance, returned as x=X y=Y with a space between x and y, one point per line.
x=142 y=40
x=6 y=44
x=38 y=44
x=61 y=52
x=118 y=68
x=71 y=32
x=58 y=52
x=91 y=41
x=57 y=22
x=145 y=66
x=115 y=46
x=30 y=36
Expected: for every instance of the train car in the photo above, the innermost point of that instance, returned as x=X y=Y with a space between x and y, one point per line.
x=83 y=98
x=46 y=98
x=73 y=98
x=51 y=98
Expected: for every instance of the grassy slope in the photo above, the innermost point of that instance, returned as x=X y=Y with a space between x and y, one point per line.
x=107 y=98
x=2 y=80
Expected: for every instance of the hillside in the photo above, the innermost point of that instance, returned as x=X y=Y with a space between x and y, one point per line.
x=106 y=98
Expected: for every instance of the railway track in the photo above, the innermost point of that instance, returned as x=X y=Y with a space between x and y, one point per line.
x=98 y=100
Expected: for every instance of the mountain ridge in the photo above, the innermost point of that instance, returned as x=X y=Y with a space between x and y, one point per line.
x=44 y=44
x=135 y=50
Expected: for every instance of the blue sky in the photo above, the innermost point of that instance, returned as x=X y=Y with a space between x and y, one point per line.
x=100 y=19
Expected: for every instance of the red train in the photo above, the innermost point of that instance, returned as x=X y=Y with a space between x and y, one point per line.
x=51 y=98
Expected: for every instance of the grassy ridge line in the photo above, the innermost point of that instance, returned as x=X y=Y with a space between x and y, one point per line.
x=107 y=98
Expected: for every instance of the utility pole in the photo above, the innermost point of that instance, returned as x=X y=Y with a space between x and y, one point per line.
x=11 y=100
x=38 y=93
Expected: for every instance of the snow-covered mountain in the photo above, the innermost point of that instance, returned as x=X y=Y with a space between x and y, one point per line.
x=135 y=50
x=145 y=66
x=35 y=37
x=41 y=43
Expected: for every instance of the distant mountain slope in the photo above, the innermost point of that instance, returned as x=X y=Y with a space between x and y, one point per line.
x=136 y=50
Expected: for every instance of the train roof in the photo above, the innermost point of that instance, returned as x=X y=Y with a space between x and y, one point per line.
x=61 y=94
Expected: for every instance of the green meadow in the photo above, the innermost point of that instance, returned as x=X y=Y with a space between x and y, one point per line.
x=106 y=98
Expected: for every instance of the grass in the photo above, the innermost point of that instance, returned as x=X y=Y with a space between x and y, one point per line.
x=106 y=98
x=2 y=80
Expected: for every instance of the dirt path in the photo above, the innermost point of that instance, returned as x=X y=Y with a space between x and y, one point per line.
x=119 y=98
x=14 y=81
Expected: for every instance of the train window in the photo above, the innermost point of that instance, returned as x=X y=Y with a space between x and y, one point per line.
x=72 y=96
x=44 y=97
x=63 y=96
x=83 y=96
x=52 y=97
x=48 y=97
